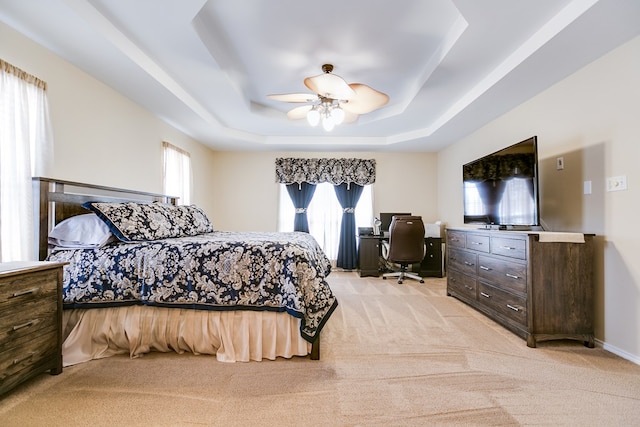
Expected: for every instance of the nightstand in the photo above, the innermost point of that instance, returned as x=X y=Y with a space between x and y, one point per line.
x=30 y=321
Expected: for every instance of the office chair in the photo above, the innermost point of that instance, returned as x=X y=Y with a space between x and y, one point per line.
x=406 y=246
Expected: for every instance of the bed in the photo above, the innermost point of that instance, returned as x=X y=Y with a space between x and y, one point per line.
x=147 y=274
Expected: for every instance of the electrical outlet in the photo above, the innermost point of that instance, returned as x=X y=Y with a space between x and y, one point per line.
x=617 y=183
x=560 y=163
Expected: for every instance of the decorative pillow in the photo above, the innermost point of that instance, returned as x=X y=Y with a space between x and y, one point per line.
x=132 y=221
x=81 y=231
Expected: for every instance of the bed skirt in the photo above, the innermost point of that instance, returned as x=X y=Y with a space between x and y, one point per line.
x=233 y=336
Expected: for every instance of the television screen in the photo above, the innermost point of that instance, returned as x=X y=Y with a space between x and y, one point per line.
x=502 y=188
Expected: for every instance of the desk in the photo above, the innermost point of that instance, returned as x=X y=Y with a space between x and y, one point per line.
x=370 y=264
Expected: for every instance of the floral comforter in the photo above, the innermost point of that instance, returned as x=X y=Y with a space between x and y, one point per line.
x=215 y=271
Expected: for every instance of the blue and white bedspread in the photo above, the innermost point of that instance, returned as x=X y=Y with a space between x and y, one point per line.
x=215 y=271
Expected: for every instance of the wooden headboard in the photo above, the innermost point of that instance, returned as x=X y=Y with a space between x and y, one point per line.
x=55 y=200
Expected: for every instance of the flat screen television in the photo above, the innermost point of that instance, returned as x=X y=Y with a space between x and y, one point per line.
x=502 y=188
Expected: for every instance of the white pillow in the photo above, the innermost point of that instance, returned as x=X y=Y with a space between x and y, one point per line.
x=81 y=231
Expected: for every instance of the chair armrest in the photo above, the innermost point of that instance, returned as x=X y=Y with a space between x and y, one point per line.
x=385 y=249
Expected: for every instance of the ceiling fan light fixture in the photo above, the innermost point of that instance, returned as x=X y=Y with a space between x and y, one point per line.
x=328 y=123
x=334 y=100
x=313 y=116
x=337 y=114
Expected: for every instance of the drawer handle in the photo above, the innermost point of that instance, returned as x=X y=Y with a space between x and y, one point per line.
x=23 y=358
x=454 y=239
x=477 y=243
x=485 y=295
x=482 y=267
x=469 y=263
x=25 y=292
x=513 y=308
x=513 y=276
x=509 y=248
x=24 y=325
x=468 y=287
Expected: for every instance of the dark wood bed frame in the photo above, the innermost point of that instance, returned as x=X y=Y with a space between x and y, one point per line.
x=56 y=200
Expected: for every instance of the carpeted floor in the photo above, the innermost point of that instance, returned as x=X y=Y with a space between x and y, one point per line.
x=391 y=355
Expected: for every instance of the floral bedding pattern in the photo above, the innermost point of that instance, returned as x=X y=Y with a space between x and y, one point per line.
x=131 y=221
x=221 y=270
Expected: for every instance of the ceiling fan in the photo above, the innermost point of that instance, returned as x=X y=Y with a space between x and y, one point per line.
x=334 y=101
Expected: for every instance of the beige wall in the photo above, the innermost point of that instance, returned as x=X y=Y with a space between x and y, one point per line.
x=244 y=183
x=100 y=136
x=592 y=119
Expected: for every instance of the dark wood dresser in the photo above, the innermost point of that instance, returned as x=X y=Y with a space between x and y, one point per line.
x=538 y=290
x=30 y=321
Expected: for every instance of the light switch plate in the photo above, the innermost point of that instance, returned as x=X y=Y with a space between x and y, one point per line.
x=617 y=183
x=560 y=163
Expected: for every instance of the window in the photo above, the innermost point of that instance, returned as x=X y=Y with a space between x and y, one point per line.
x=325 y=215
x=26 y=146
x=177 y=173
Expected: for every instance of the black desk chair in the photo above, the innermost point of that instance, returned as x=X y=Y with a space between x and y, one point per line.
x=405 y=247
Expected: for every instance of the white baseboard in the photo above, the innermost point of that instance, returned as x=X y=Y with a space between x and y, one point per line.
x=618 y=352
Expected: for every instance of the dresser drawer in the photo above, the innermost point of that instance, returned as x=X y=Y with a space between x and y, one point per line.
x=478 y=242
x=507 y=275
x=462 y=284
x=433 y=254
x=27 y=353
x=456 y=239
x=462 y=261
x=510 y=305
x=513 y=248
x=16 y=290
x=433 y=246
x=20 y=320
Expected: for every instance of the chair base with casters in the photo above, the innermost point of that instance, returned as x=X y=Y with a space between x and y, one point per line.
x=402 y=274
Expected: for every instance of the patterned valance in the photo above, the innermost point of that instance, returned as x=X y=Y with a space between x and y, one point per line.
x=334 y=171
x=500 y=167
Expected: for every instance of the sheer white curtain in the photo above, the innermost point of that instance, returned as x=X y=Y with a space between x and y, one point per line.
x=26 y=150
x=177 y=173
x=325 y=215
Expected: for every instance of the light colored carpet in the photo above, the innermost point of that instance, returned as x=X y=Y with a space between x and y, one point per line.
x=391 y=355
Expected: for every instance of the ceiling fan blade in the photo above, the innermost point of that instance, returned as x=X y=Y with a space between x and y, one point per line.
x=366 y=100
x=349 y=117
x=294 y=97
x=299 y=112
x=330 y=86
